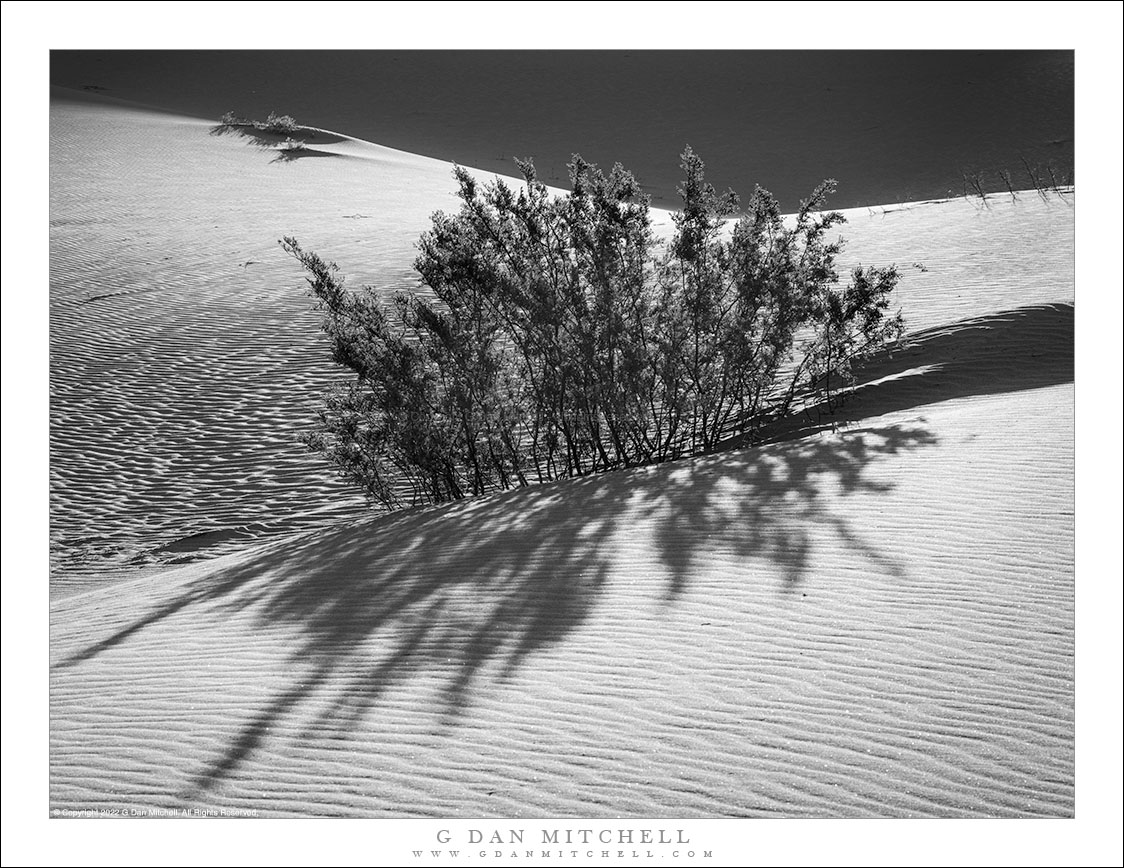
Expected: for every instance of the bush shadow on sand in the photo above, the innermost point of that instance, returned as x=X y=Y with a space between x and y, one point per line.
x=1010 y=351
x=463 y=594
x=287 y=146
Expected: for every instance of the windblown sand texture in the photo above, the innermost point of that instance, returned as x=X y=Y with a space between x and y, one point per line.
x=185 y=357
x=872 y=616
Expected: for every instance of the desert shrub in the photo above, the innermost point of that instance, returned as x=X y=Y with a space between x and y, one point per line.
x=291 y=149
x=230 y=119
x=276 y=123
x=558 y=338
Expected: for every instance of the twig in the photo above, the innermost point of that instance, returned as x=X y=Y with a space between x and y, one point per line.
x=1035 y=178
x=973 y=181
x=1006 y=176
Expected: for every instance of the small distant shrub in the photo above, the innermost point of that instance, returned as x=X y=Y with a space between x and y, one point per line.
x=230 y=119
x=558 y=338
x=264 y=134
x=274 y=123
x=974 y=185
x=1058 y=182
x=1009 y=183
x=291 y=149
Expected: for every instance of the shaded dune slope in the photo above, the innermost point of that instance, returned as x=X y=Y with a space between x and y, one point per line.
x=891 y=125
x=870 y=616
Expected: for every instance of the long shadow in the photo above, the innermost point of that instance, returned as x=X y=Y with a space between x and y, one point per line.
x=466 y=593
x=290 y=155
x=533 y=541
x=1027 y=348
x=265 y=138
x=287 y=146
x=771 y=502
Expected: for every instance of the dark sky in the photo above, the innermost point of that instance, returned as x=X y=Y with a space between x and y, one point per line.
x=889 y=126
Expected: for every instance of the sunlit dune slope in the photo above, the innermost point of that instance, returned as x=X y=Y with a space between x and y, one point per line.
x=185 y=357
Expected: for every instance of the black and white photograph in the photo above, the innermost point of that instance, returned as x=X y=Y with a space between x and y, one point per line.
x=545 y=447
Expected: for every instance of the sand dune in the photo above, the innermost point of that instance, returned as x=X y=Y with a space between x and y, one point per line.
x=872 y=616
x=891 y=125
x=185 y=357
x=875 y=622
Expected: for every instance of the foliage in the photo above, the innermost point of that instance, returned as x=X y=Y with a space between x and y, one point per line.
x=230 y=119
x=558 y=338
x=274 y=123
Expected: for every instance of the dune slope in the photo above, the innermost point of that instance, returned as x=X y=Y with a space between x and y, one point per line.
x=872 y=622
x=185 y=357
x=872 y=616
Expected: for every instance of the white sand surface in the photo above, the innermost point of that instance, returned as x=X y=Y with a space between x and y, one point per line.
x=186 y=358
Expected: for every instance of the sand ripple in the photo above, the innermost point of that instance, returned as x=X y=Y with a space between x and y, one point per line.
x=185 y=358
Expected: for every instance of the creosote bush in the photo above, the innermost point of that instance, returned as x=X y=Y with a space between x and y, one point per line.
x=558 y=338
